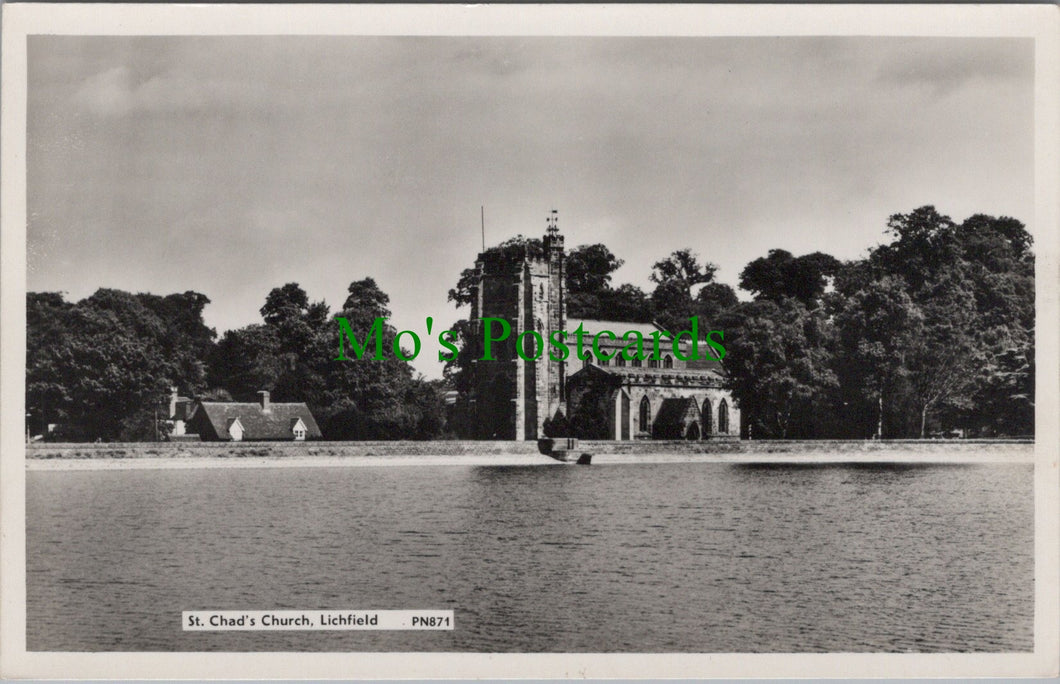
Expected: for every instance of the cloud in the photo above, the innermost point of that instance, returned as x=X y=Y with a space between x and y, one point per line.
x=232 y=165
x=947 y=66
x=119 y=91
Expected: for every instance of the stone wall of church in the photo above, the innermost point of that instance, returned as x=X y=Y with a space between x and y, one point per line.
x=496 y=381
x=535 y=313
x=555 y=320
x=542 y=312
x=513 y=397
x=655 y=396
x=520 y=393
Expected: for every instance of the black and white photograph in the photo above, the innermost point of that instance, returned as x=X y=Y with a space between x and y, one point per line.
x=413 y=342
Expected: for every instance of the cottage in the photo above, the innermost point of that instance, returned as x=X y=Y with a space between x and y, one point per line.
x=179 y=410
x=228 y=421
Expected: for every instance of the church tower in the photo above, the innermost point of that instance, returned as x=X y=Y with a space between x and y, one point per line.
x=512 y=397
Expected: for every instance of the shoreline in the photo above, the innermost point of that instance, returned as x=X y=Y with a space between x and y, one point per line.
x=878 y=458
x=183 y=455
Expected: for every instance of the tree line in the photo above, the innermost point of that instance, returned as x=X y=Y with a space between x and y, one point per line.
x=931 y=333
x=102 y=368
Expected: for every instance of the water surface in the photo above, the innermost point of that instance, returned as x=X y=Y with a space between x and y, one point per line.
x=620 y=558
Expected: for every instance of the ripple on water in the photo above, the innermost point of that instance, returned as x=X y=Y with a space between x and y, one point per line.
x=642 y=557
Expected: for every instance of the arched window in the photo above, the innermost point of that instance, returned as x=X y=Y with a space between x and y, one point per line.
x=587 y=362
x=653 y=362
x=620 y=361
x=706 y=418
x=645 y=415
x=635 y=362
x=668 y=361
x=605 y=362
x=723 y=418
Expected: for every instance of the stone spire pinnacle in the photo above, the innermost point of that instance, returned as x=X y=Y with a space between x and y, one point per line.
x=553 y=223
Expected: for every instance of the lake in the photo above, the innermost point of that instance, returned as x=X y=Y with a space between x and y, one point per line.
x=670 y=557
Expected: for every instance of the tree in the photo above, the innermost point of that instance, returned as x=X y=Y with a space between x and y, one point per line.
x=712 y=301
x=293 y=355
x=683 y=266
x=183 y=315
x=247 y=360
x=99 y=367
x=672 y=304
x=285 y=303
x=507 y=254
x=675 y=277
x=781 y=274
x=998 y=269
x=943 y=357
x=778 y=366
x=366 y=302
x=624 y=303
x=589 y=292
x=876 y=326
x=924 y=241
x=974 y=285
x=371 y=398
x=1004 y=399
x=589 y=269
x=48 y=391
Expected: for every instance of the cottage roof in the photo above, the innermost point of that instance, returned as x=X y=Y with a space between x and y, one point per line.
x=276 y=424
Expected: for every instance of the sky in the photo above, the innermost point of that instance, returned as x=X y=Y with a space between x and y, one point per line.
x=233 y=165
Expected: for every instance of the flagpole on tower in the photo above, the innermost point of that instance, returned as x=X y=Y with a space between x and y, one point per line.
x=482 y=210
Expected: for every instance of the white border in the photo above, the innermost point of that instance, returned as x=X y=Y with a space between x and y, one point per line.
x=1040 y=22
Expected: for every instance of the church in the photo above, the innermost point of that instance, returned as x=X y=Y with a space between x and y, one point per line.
x=652 y=398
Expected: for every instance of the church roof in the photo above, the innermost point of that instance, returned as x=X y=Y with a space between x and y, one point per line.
x=663 y=376
x=707 y=364
x=619 y=328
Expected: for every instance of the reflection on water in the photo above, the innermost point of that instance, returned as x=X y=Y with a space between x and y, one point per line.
x=641 y=558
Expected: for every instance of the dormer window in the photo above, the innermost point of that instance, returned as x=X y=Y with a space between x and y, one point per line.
x=235 y=430
x=298 y=430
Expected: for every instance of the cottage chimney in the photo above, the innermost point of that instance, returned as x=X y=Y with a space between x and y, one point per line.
x=265 y=407
x=172 y=402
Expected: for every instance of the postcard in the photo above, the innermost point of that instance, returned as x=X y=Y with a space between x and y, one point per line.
x=546 y=342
